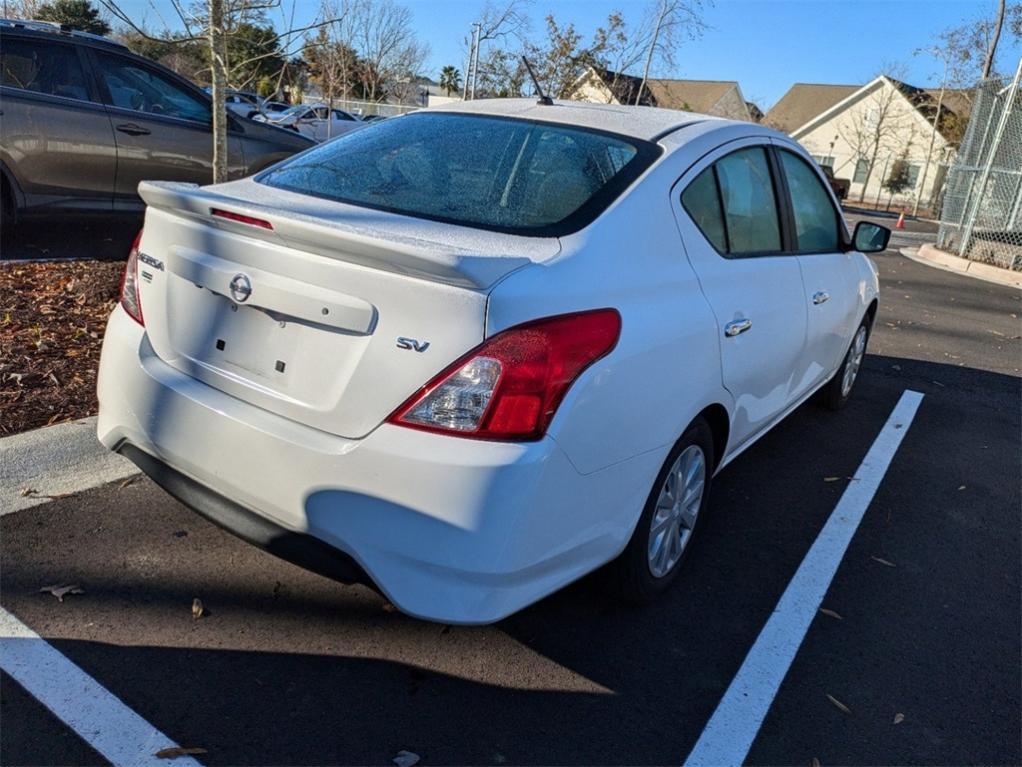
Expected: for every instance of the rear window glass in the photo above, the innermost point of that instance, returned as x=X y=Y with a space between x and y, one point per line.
x=493 y=173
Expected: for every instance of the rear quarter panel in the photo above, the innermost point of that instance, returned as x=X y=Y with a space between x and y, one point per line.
x=665 y=368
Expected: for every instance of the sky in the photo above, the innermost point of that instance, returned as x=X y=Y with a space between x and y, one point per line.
x=766 y=45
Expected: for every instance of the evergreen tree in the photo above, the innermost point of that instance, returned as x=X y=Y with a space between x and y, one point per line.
x=77 y=14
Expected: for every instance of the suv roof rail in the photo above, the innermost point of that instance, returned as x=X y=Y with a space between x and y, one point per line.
x=55 y=28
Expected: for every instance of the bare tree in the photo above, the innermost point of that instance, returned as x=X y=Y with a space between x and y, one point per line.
x=669 y=21
x=875 y=126
x=213 y=22
x=385 y=38
x=506 y=21
x=971 y=47
x=21 y=9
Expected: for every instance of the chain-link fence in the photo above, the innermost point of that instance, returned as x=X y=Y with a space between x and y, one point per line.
x=981 y=218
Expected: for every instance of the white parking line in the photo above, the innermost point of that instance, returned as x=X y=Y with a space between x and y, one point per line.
x=731 y=730
x=84 y=705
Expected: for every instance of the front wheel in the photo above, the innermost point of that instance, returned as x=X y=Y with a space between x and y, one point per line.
x=836 y=393
x=669 y=522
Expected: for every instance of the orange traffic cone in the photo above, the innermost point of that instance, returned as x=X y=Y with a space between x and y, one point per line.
x=901 y=221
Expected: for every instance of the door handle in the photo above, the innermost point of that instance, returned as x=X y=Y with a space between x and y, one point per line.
x=133 y=130
x=821 y=297
x=736 y=327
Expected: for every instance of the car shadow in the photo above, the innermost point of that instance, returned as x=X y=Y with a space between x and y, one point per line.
x=645 y=678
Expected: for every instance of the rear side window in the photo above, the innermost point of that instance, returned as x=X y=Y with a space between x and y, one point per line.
x=702 y=202
x=141 y=89
x=750 y=208
x=495 y=173
x=41 y=67
x=733 y=204
x=816 y=229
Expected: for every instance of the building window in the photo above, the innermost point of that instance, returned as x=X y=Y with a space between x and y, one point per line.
x=824 y=160
x=913 y=175
x=861 y=168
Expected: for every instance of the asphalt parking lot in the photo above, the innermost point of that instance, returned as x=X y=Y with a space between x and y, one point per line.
x=919 y=644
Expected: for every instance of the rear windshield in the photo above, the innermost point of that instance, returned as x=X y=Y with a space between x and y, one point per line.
x=494 y=173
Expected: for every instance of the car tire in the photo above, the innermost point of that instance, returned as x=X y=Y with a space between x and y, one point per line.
x=838 y=391
x=8 y=208
x=642 y=572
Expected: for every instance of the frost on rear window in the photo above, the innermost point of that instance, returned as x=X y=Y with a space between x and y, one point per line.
x=493 y=173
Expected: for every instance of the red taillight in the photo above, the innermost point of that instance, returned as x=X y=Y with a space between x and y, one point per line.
x=241 y=218
x=509 y=387
x=130 y=299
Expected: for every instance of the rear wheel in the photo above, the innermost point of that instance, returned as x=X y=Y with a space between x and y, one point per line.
x=837 y=393
x=670 y=520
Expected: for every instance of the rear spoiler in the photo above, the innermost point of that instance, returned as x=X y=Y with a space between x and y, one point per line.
x=333 y=237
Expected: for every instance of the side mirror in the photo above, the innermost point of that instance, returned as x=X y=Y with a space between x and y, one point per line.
x=870 y=237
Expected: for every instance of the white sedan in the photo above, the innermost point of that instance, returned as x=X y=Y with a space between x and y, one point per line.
x=480 y=351
x=317 y=121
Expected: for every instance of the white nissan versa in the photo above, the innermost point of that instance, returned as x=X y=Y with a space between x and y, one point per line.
x=473 y=353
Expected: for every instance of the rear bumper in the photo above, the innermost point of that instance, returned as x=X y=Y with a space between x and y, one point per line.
x=450 y=529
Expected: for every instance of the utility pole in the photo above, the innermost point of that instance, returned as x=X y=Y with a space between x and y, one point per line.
x=933 y=137
x=473 y=64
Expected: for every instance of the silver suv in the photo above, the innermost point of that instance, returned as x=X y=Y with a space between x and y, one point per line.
x=83 y=120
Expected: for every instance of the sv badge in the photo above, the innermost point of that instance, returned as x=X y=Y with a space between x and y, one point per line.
x=411 y=344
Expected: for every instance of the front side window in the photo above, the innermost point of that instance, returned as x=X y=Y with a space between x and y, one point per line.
x=495 y=173
x=750 y=209
x=41 y=67
x=815 y=218
x=141 y=89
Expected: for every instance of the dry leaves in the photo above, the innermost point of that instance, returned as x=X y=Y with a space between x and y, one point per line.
x=405 y=759
x=839 y=705
x=197 y=609
x=53 y=315
x=176 y=751
x=60 y=591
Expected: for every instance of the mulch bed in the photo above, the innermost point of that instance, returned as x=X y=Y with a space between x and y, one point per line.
x=52 y=317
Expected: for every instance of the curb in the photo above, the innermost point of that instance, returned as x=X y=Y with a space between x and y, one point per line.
x=929 y=255
x=55 y=461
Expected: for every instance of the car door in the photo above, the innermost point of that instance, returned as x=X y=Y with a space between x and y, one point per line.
x=163 y=128
x=55 y=134
x=727 y=211
x=829 y=273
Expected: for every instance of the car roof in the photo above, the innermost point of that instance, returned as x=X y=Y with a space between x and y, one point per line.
x=39 y=28
x=640 y=122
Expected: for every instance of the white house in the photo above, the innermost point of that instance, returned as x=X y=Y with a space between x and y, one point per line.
x=862 y=132
x=721 y=98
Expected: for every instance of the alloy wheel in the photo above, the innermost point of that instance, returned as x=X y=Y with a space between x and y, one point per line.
x=677 y=508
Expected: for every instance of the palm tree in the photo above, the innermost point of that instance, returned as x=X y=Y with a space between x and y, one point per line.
x=450 y=79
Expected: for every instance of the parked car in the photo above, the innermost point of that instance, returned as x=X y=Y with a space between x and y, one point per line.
x=85 y=120
x=312 y=120
x=478 y=351
x=841 y=186
x=272 y=108
x=242 y=103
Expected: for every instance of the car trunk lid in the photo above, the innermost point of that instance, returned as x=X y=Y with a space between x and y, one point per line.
x=323 y=313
